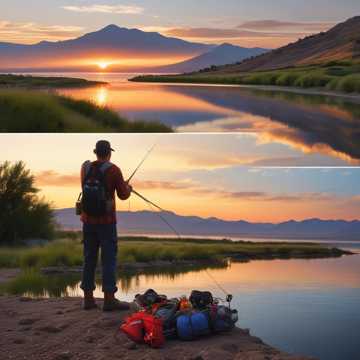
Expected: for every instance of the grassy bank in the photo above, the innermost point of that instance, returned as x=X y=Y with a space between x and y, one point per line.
x=40 y=111
x=29 y=81
x=334 y=76
x=143 y=250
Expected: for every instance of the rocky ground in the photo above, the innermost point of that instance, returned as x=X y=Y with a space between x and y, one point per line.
x=58 y=329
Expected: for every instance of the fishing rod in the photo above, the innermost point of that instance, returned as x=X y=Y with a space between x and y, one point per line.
x=229 y=297
x=141 y=162
x=150 y=203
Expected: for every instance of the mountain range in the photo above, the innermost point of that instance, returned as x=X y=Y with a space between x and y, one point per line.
x=118 y=43
x=342 y=42
x=220 y=55
x=146 y=222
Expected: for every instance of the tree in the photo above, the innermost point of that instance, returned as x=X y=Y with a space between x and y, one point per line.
x=23 y=214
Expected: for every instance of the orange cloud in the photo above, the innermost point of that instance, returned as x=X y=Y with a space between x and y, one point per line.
x=29 y=32
x=52 y=178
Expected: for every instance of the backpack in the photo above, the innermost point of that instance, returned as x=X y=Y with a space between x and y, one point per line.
x=168 y=313
x=95 y=196
x=149 y=298
x=133 y=327
x=201 y=299
x=143 y=327
x=222 y=318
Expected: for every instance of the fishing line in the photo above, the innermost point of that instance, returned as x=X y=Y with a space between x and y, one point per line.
x=151 y=205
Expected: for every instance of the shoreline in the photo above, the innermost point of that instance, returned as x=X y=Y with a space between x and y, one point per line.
x=58 y=329
x=354 y=97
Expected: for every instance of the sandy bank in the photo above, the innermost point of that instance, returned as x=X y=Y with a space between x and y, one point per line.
x=58 y=329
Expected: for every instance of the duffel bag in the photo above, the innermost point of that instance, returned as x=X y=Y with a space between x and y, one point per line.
x=191 y=326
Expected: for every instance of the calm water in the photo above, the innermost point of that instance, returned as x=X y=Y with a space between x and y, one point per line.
x=308 y=307
x=308 y=123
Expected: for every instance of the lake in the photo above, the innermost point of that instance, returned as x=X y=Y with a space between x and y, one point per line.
x=307 y=307
x=311 y=124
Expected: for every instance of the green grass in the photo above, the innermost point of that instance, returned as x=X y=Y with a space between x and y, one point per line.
x=341 y=76
x=40 y=111
x=32 y=282
x=69 y=252
x=28 y=81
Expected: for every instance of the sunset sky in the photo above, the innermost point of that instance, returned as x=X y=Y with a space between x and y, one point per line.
x=191 y=175
x=261 y=23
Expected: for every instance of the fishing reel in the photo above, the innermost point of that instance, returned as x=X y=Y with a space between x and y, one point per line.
x=229 y=299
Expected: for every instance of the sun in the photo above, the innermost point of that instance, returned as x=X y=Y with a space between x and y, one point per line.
x=103 y=65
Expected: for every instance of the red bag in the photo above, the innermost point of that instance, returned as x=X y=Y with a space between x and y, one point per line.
x=133 y=327
x=153 y=326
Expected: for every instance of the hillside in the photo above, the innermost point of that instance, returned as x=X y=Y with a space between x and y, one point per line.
x=221 y=55
x=342 y=42
x=146 y=222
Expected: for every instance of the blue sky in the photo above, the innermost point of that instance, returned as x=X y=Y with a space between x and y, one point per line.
x=73 y=17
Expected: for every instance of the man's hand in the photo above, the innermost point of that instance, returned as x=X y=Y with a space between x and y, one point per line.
x=130 y=188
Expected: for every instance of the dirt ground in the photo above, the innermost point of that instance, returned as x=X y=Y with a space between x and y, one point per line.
x=58 y=329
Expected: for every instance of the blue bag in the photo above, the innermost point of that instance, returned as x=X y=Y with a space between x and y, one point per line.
x=191 y=326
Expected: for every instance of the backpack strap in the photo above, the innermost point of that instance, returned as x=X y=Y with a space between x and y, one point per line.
x=105 y=166
x=87 y=167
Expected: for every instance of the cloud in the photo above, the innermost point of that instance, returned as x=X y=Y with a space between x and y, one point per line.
x=210 y=33
x=269 y=25
x=106 y=9
x=268 y=33
x=52 y=178
x=29 y=32
x=259 y=28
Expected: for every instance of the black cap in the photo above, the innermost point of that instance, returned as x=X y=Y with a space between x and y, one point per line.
x=103 y=147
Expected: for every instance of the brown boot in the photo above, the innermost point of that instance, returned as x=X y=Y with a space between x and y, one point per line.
x=89 y=301
x=112 y=304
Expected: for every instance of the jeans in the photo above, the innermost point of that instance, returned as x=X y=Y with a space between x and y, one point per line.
x=102 y=236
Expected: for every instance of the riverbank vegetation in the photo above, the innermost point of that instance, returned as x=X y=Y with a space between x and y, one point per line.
x=29 y=81
x=68 y=252
x=40 y=111
x=340 y=76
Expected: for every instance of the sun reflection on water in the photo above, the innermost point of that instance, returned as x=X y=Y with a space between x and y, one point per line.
x=101 y=96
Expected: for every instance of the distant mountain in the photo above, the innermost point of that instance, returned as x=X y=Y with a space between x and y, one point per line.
x=221 y=55
x=109 y=41
x=145 y=222
x=339 y=43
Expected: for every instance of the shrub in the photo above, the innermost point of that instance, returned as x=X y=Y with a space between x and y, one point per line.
x=313 y=80
x=287 y=79
x=349 y=84
x=23 y=214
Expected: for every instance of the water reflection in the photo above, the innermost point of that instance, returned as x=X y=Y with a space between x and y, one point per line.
x=307 y=123
x=307 y=307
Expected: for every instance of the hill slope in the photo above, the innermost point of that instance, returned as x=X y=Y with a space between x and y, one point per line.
x=342 y=42
x=221 y=55
x=145 y=222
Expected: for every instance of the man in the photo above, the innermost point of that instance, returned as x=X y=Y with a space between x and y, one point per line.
x=100 y=180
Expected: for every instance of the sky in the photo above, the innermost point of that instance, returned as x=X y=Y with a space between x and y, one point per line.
x=249 y=23
x=190 y=174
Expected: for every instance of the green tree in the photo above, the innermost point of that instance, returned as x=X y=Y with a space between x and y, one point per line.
x=23 y=214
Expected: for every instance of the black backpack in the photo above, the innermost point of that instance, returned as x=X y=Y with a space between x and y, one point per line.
x=95 y=195
x=201 y=299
